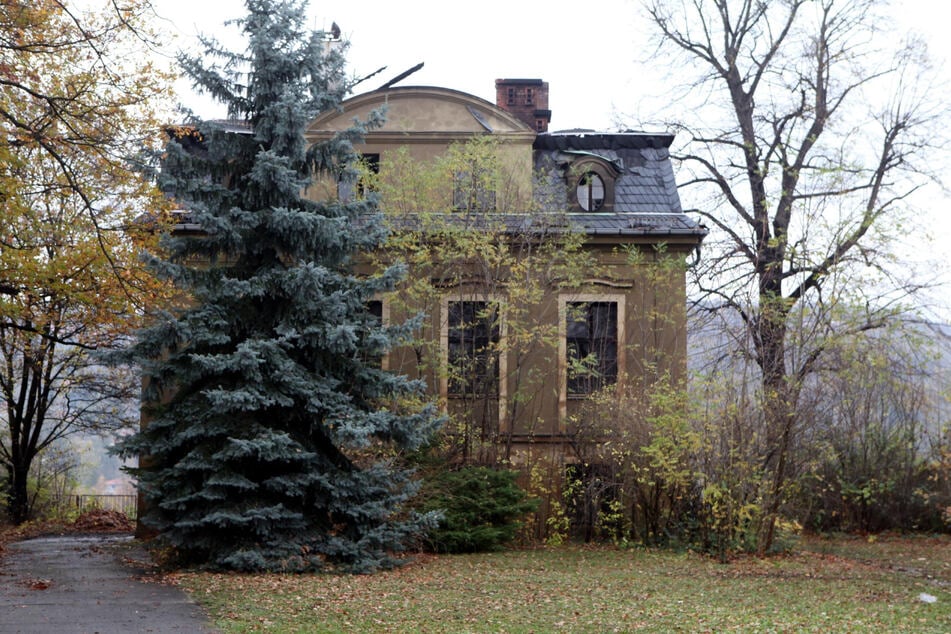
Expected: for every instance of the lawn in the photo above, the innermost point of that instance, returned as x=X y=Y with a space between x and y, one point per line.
x=828 y=585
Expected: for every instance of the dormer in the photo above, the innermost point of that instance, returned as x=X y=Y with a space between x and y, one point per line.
x=590 y=182
x=589 y=172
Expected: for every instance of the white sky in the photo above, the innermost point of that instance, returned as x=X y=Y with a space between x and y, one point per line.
x=587 y=56
x=588 y=53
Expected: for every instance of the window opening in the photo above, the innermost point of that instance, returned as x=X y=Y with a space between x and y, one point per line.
x=347 y=188
x=591 y=337
x=472 y=191
x=375 y=320
x=590 y=192
x=473 y=349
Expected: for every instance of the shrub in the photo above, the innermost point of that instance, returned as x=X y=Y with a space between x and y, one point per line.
x=481 y=508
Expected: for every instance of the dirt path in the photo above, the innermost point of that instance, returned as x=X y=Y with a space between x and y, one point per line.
x=87 y=584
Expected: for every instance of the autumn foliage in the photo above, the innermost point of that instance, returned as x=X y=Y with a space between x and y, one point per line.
x=78 y=120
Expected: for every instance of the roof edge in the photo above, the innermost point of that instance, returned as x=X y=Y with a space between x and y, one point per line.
x=586 y=140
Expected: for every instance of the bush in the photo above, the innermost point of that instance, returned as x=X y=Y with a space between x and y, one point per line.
x=481 y=509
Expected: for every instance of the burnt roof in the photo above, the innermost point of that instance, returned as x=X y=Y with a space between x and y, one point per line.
x=621 y=225
x=523 y=82
x=592 y=140
x=644 y=181
x=646 y=203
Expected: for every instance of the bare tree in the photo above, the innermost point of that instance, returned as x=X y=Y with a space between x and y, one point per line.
x=50 y=391
x=815 y=133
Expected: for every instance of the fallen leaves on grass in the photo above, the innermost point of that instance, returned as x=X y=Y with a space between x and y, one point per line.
x=574 y=589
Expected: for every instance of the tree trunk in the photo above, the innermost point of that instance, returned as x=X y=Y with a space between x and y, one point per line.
x=19 y=501
x=779 y=410
x=6 y=488
x=780 y=417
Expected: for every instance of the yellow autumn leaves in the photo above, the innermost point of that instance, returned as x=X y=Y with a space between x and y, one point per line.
x=79 y=104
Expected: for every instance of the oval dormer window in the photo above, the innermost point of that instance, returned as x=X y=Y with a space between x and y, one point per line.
x=590 y=192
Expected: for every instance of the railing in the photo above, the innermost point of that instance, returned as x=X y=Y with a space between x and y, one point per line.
x=124 y=503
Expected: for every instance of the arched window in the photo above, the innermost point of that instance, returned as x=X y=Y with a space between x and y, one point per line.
x=591 y=185
x=590 y=192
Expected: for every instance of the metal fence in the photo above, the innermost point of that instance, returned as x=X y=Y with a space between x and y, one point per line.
x=126 y=503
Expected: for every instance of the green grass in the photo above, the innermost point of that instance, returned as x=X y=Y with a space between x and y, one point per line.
x=838 y=585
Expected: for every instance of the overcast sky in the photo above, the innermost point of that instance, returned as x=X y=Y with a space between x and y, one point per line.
x=589 y=52
x=586 y=54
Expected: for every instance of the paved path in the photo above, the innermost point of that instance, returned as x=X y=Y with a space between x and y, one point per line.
x=87 y=585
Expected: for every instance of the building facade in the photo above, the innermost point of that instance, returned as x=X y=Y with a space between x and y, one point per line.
x=550 y=266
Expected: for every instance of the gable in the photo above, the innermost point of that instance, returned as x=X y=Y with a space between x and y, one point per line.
x=424 y=122
x=423 y=112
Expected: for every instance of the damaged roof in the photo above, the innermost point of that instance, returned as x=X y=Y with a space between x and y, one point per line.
x=645 y=181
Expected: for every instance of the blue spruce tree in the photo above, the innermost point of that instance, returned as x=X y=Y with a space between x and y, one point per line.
x=274 y=435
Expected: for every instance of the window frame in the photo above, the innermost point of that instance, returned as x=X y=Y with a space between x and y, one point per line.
x=493 y=337
x=469 y=191
x=350 y=190
x=589 y=182
x=384 y=317
x=564 y=301
x=584 y=168
x=595 y=334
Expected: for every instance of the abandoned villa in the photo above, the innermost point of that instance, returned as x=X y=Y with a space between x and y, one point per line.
x=549 y=266
x=624 y=310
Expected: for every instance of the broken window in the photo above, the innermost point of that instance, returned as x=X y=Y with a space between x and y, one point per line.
x=473 y=190
x=590 y=192
x=591 y=338
x=349 y=187
x=473 y=356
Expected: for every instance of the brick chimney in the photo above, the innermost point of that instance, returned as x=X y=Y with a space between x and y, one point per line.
x=527 y=99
